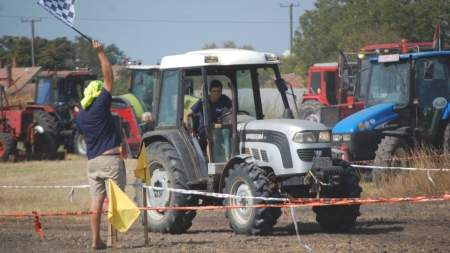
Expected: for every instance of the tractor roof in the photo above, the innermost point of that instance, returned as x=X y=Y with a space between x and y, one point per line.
x=19 y=76
x=418 y=55
x=217 y=57
x=66 y=73
x=143 y=67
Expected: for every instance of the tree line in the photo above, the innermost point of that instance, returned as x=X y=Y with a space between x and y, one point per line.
x=348 y=25
x=56 y=54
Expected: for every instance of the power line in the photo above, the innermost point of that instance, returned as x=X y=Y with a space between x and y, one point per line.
x=31 y=21
x=291 y=30
x=144 y=20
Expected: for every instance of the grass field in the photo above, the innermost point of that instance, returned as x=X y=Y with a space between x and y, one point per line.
x=72 y=172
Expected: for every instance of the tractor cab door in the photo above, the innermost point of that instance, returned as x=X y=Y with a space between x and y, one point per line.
x=432 y=92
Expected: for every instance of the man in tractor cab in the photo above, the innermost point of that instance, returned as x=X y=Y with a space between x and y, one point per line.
x=103 y=142
x=218 y=105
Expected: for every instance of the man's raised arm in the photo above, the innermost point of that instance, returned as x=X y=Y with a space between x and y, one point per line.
x=108 y=78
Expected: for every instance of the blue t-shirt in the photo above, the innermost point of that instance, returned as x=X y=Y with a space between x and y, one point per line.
x=216 y=110
x=97 y=126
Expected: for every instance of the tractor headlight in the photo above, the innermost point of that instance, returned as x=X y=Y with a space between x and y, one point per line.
x=337 y=137
x=324 y=136
x=312 y=137
x=304 y=137
x=347 y=137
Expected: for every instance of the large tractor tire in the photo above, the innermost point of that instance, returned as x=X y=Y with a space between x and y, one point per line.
x=167 y=172
x=340 y=218
x=310 y=110
x=247 y=179
x=79 y=144
x=7 y=146
x=390 y=153
x=46 y=142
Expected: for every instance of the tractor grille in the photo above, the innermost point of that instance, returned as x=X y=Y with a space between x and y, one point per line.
x=255 y=153
x=246 y=151
x=264 y=156
x=307 y=155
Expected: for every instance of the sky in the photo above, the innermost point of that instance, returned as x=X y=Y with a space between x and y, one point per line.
x=147 y=30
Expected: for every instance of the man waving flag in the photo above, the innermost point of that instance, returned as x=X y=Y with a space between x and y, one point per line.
x=63 y=10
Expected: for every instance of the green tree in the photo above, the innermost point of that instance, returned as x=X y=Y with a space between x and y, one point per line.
x=350 y=24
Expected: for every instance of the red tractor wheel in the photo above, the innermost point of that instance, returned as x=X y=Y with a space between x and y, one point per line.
x=7 y=146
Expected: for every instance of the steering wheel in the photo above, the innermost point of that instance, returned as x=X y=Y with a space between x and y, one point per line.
x=242 y=112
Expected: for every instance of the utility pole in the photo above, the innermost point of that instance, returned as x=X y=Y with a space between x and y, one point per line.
x=291 y=30
x=31 y=21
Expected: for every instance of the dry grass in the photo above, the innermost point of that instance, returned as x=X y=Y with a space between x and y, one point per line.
x=71 y=171
x=413 y=183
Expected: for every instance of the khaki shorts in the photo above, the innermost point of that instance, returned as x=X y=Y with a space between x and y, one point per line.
x=102 y=168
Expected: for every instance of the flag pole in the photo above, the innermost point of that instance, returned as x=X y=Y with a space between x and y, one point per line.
x=144 y=204
x=82 y=34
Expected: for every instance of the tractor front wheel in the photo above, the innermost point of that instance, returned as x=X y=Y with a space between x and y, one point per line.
x=79 y=144
x=310 y=110
x=392 y=152
x=340 y=218
x=248 y=180
x=7 y=146
x=167 y=172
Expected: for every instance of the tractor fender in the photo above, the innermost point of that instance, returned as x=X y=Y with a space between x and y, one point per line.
x=196 y=171
x=402 y=132
x=235 y=160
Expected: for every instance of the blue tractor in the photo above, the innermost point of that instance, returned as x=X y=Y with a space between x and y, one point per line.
x=406 y=106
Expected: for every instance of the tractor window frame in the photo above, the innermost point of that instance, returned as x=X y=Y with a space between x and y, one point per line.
x=169 y=119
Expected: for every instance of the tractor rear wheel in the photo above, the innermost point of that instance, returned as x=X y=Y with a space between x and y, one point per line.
x=248 y=180
x=340 y=218
x=310 y=110
x=7 y=146
x=167 y=172
x=391 y=152
x=46 y=142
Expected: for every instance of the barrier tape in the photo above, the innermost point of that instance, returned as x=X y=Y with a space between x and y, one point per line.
x=396 y=168
x=293 y=203
x=43 y=186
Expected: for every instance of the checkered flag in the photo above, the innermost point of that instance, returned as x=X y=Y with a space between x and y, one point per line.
x=63 y=10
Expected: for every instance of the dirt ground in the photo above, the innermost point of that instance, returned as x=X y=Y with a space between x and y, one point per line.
x=422 y=227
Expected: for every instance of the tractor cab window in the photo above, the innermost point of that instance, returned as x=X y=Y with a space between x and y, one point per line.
x=432 y=81
x=168 y=99
x=315 y=82
x=271 y=101
x=246 y=100
x=142 y=85
x=389 y=83
x=330 y=81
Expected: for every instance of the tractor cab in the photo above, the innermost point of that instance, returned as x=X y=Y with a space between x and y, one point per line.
x=135 y=108
x=62 y=90
x=406 y=105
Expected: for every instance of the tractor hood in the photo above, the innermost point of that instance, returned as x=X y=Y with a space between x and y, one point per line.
x=286 y=126
x=367 y=119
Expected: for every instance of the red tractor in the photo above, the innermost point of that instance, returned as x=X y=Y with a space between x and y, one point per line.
x=21 y=121
x=331 y=85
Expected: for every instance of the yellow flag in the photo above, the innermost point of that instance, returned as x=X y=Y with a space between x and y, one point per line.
x=122 y=212
x=139 y=172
